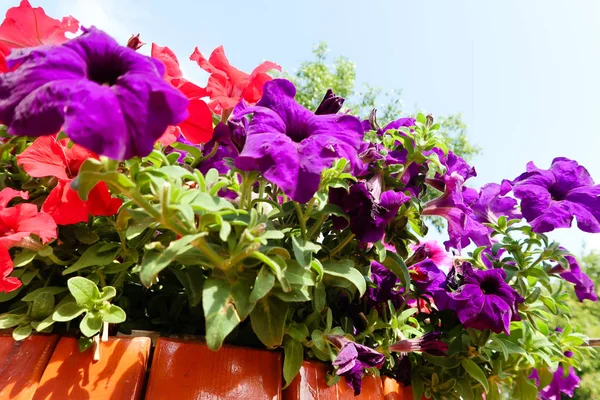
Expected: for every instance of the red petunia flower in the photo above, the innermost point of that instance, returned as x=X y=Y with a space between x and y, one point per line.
x=25 y=26
x=198 y=127
x=7 y=283
x=48 y=157
x=22 y=220
x=228 y=85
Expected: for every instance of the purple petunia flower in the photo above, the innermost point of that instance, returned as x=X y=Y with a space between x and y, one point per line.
x=485 y=301
x=352 y=359
x=561 y=382
x=550 y=199
x=429 y=343
x=106 y=97
x=369 y=210
x=331 y=104
x=433 y=251
x=454 y=165
x=462 y=226
x=291 y=146
x=489 y=204
x=386 y=286
x=584 y=286
x=222 y=137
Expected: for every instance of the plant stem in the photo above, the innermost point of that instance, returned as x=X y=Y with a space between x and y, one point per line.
x=341 y=245
x=301 y=220
x=316 y=226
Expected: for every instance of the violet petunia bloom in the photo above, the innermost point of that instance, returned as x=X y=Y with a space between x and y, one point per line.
x=561 y=383
x=291 y=146
x=485 y=301
x=490 y=203
x=429 y=343
x=386 y=286
x=399 y=123
x=352 y=359
x=433 y=251
x=331 y=104
x=369 y=211
x=222 y=137
x=462 y=225
x=427 y=277
x=550 y=199
x=106 y=97
x=584 y=285
x=454 y=165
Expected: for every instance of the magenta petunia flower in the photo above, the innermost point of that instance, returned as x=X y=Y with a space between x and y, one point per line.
x=429 y=343
x=584 y=285
x=291 y=146
x=561 y=383
x=485 y=301
x=550 y=199
x=491 y=203
x=462 y=225
x=369 y=211
x=386 y=286
x=106 y=97
x=352 y=359
x=331 y=104
x=433 y=251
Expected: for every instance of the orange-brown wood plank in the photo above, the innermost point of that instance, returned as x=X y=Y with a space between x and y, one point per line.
x=393 y=390
x=22 y=364
x=311 y=384
x=186 y=370
x=74 y=375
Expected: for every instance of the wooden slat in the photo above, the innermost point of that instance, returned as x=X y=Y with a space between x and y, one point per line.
x=311 y=384
x=74 y=375
x=22 y=364
x=393 y=390
x=185 y=370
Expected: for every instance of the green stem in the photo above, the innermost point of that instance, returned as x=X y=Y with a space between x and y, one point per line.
x=341 y=245
x=200 y=243
x=301 y=220
x=316 y=227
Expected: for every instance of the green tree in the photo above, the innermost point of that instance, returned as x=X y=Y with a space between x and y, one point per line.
x=586 y=316
x=315 y=76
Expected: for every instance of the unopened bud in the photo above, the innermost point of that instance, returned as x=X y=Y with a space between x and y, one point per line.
x=134 y=42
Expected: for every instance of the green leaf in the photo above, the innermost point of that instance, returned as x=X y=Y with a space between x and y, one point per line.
x=263 y=284
x=90 y=324
x=337 y=272
x=395 y=264
x=524 y=389
x=293 y=355
x=42 y=306
x=108 y=292
x=42 y=325
x=297 y=331
x=24 y=258
x=22 y=332
x=277 y=265
x=206 y=202
x=154 y=262
x=225 y=306
x=67 y=312
x=192 y=279
x=303 y=250
x=84 y=291
x=296 y=274
x=53 y=290
x=99 y=254
x=268 y=320
x=113 y=314
x=10 y=320
x=476 y=372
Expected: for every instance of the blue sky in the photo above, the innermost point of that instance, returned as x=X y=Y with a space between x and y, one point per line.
x=525 y=74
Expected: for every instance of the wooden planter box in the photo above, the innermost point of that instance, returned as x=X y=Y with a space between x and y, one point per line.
x=49 y=367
